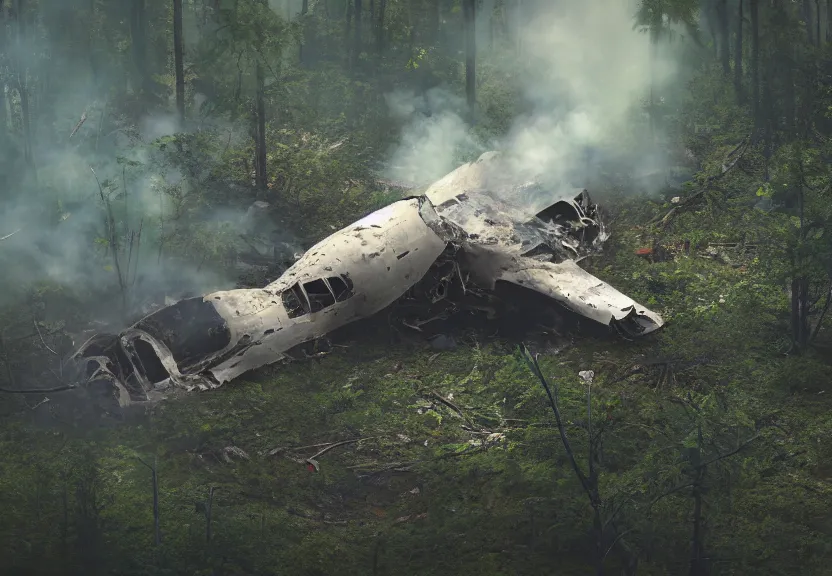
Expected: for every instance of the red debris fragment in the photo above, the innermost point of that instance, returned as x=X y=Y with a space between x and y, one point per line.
x=644 y=251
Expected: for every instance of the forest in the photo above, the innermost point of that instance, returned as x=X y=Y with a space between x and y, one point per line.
x=153 y=150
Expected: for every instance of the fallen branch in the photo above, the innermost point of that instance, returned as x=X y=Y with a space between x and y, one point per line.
x=404 y=466
x=40 y=390
x=10 y=235
x=441 y=399
x=335 y=445
x=42 y=341
x=739 y=150
x=312 y=460
x=80 y=123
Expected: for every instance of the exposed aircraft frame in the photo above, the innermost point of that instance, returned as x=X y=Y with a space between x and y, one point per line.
x=454 y=242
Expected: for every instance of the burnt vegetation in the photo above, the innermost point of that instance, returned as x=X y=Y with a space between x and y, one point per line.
x=155 y=150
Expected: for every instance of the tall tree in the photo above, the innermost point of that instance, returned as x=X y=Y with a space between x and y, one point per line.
x=138 y=47
x=379 y=26
x=738 y=89
x=260 y=156
x=469 y=24
x=754 y=9
x=260 y=174
x=657 y=18
x=724 y=37
x=178 y=58
x=357 y=40
x=4 y=50
x=21 y=81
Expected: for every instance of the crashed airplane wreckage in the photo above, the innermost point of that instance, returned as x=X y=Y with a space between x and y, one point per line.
x=454 y=243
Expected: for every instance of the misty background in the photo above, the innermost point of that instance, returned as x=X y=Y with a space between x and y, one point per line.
x=112 y=195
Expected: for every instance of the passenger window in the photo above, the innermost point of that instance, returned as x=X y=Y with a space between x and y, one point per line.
x=341 y=287
x=295 y=302
x=319 y=295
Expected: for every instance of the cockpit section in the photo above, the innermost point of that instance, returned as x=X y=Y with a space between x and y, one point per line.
x=316 y=295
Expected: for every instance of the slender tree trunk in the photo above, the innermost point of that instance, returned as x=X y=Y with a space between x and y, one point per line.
x=738 y=56
x=139 y=43
x=178 y=58
x=711 y=13
x=800 y=284
x=518 y=26
x=260 y=173
x=23 y=84
x=4 y=43
x=65 y=522
x=356 y=49
x=208 y=508
x=654 y=49
x=382 y=7
x=755 y=62
x=800 y=312
x=435 y=35
x=724 y=37
x=157 y=531
x=806 y=10
x=469 y=21
x=304 y=10
x=790 y=113
x=698 y=565
x=348 y=39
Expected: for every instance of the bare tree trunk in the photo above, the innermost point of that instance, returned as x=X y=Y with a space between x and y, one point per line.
x=4 y=123
x=304 y=10
x=818 y=37
x=436 y=21
x=157 y=532
x=697 y=556
x=738 y=89
x=755 y=62
x=469 y=21
x=382 y=7
x=654 y=49
x=724 y=37
x=348 y=44
x=138 y=39
x=22 y=81
x=800 y=312
x=806 y=9
x=208 y=508
x=260 y=173
x=178 y=58
x=356 y=49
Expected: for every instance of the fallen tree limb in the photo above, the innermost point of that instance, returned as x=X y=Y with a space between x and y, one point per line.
x=7 y=236
x=42 y=341
x=40 y=390
x=403 y=466
x=691 y=200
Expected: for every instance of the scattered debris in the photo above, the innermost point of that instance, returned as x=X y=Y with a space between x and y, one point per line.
x=230 y=451
x=587 y=376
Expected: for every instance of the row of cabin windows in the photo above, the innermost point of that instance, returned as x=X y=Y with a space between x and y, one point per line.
x=315 y=295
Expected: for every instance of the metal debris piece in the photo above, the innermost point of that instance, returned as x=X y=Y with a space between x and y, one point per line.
x=587 y=376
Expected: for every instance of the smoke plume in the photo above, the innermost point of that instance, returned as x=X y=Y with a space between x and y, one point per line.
x=581 y=75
